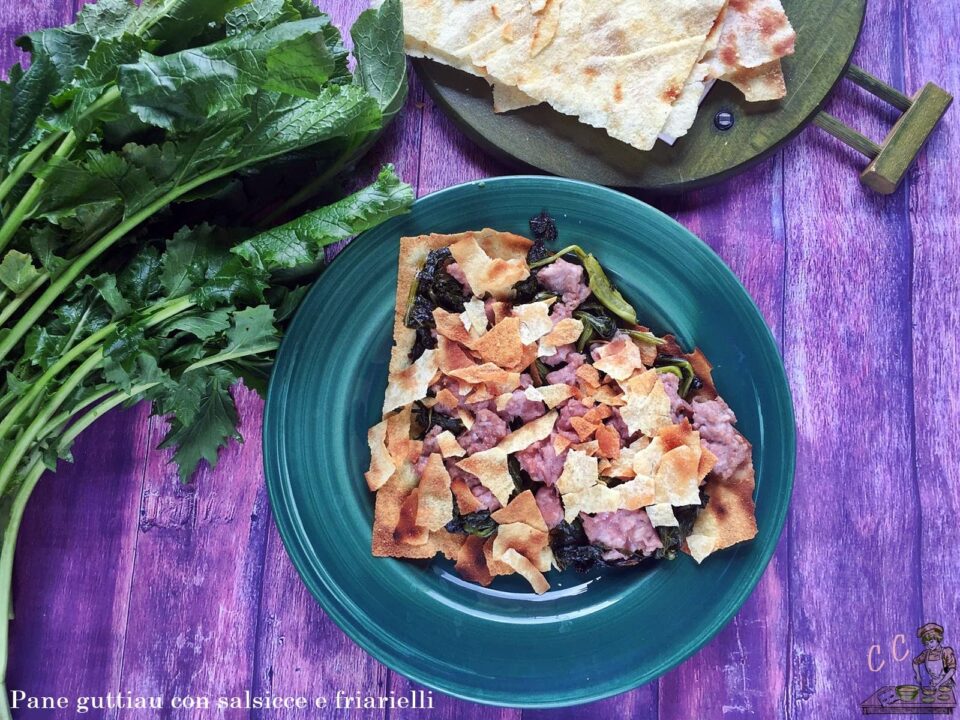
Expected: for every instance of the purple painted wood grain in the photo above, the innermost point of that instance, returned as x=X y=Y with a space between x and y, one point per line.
x=933 y=214
x=744 y=665
x=200 y=596
x=74 y=565
x=199 y=546
x=854 y=571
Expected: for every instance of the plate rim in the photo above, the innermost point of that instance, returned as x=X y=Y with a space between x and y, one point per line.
x=287 y=520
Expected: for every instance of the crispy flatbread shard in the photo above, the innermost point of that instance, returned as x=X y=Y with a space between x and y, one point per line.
x=488 y=274
x=535 y=321
x=407 y=532
x=522 y=509
x=624 y=63
x=760 y=84
x=411 y=384
x=435 y=500
x=394 y=519
x=490 y=468
x=550 y=395
x=381 y=464
x=449 y=447
x=582 y=491
x=729 y=516
x=526 y=435
x=588 y=377
x=751 y=33
x=584 y=428
x=677 y=481
x=450 y=325
x=527 y=569
x=533 y=544
x=471 y=564
x=507 y=99
x=400 y=445
x=494 y=566
x=647 y=407
x=467 y=502
x=474 y=317
x=565 y=331
x=661 y=515
x=488 y=374
x=451 y=356
x=447 y=543
x=580 y=471
x=685 y=109
x=619 y=358
x=608 y=441
x=501 y=345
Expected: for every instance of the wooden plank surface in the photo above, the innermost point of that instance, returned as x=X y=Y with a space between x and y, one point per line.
x=126 y=580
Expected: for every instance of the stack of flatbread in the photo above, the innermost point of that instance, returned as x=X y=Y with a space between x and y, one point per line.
x=637 y=68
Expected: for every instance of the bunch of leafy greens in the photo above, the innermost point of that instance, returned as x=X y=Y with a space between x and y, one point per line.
x=151 y=160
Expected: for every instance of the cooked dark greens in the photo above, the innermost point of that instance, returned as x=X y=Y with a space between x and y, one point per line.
x=673 y=537
x=434 y=287
x=425 y=418
x=476 y=523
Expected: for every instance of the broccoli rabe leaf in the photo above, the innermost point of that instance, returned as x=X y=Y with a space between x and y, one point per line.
x=203 y=418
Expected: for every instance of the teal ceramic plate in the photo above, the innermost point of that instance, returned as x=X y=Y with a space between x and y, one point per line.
x=590 y=636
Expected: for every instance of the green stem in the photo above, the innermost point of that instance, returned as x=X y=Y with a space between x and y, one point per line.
x=6 y=571
x=227 y=357
x=27 y=162
x=38 y=386
x=11 y=530
x=78 y=265
x=22 y=209
x=11 y=307
x=30 y=434
x=97 y=394
x=161 y=313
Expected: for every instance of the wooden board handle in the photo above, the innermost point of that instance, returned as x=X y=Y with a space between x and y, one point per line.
x=890 y=160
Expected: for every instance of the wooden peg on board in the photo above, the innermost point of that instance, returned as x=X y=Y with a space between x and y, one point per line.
x=890 y=160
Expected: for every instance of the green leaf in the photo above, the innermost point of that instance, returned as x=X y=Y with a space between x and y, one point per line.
x=15 y=385
x=175 y=24
x=106 y=286
x=204 y=419
x=279 y=124
x=202 y=326
x=191 y=86
x=17 y=271
x=252 y=331
x=139 y=280
x=250 y=328
x=106 y=18
x=46 y=243
x=300 y=242
x=71 y=106
x=132 y=178
x=381 y=64
x=234 y=283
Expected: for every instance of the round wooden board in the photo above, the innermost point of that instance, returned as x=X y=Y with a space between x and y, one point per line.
x=543 y=139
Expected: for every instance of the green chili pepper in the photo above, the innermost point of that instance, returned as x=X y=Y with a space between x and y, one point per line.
x=645 y=337
x=585 y=337
x=673 y=364
x=575 y=249
x=606 y=293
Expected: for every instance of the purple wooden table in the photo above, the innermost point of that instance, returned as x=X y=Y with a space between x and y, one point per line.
x=126 y=580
